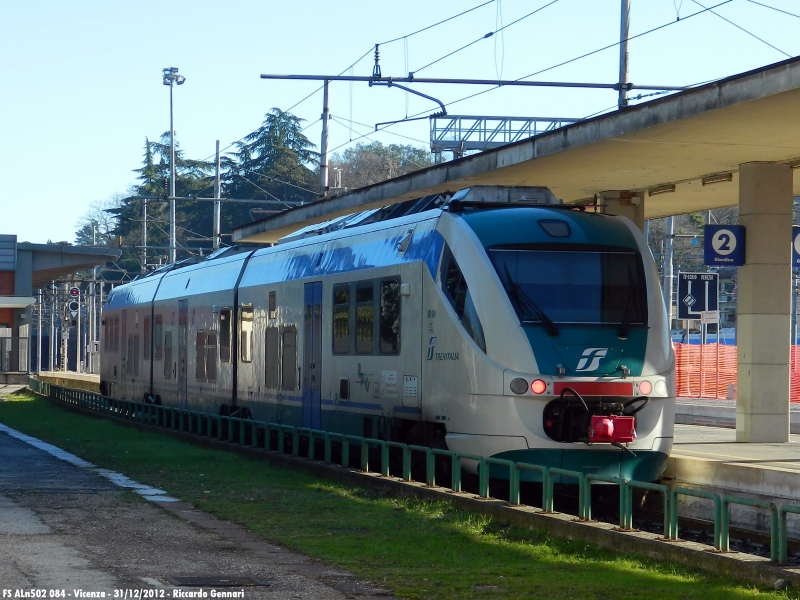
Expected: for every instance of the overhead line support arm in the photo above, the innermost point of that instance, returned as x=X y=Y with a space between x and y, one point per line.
x=497 y=82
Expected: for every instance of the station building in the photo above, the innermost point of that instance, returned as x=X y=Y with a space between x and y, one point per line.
x=24 y=269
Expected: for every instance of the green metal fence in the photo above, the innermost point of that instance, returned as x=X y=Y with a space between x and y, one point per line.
x=275 y=437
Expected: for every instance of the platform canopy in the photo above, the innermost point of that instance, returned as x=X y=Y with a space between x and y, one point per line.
x=50 y=262
x=693 y=140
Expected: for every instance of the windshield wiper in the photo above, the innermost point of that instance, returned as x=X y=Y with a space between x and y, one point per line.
x=525 y=305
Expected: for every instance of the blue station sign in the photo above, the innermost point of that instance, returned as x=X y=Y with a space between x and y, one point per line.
x=697 y=293
x=724 y=245
x=795 y=247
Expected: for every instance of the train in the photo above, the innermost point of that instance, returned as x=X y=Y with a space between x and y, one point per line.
x=493 y=321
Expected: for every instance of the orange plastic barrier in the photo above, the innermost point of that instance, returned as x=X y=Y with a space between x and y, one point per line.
x=708 y=370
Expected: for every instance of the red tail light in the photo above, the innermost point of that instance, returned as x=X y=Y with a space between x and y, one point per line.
x=538 y=386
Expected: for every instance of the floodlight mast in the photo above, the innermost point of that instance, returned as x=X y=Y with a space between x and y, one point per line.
x=170 y=77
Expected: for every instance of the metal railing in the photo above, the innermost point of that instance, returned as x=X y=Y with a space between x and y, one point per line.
x=281 y=438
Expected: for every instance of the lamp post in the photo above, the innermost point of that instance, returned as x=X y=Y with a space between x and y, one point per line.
x=170 y=77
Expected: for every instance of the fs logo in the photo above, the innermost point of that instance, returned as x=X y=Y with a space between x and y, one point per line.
x=590 y=359
x=431 y=348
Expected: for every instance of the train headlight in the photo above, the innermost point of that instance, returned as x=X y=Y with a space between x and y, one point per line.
x=538 y=386
x=661 y=387
x=519 y=385
x=645 y=387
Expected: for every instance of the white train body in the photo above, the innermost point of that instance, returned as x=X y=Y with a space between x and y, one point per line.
x=415 y=329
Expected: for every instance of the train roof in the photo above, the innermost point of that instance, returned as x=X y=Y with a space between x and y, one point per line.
x=474 y=197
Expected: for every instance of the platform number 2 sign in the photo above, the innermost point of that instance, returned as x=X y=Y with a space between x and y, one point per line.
x=724 y=245
x=723 y=242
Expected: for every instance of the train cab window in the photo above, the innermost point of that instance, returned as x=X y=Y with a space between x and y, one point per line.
x=457 y=292
x=273 y=348
x=365 y=318
x=273 y=305
x=390 y=317
x=168 y=355
x=586 y=287
x=289 y=362
x=158 y=338
x=211 y=356
x=246 y=334
x=341 y=319
x=146 y=336
x=200 y=358
x=225 y=335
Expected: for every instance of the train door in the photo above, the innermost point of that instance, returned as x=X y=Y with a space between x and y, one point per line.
x=123 y=357
x=312 y=356
x=183 y=336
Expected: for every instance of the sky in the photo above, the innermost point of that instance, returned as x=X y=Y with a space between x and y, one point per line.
x=82 y=79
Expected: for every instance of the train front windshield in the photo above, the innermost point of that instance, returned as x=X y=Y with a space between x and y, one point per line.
x=573 y=287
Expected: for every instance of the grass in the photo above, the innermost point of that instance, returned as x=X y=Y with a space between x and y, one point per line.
x=418 y=549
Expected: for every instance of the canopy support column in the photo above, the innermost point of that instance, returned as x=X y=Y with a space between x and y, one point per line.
x=763 y=316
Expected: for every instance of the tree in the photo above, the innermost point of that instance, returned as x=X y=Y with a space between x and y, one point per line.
x=274 y=162
x=192 y=178
x=366 y=164
x=96 y=226
x=271 y=163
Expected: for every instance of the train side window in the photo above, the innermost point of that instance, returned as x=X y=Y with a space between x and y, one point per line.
x=200 y=358
x=225 y=335
x=289 y=362
x=365 y=318
x=211 y=356
x=390 y=317
x=134 y=353
x=341 y=319
x=116 y=334
x=246 y=334
x=273 y=305
x=457 y=292
x=273 y=348
x=146 y=338
x=168 y=355
x=158 y=338
x=104 y=324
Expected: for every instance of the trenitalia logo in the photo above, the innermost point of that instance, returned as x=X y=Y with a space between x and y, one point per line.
x=590 y=359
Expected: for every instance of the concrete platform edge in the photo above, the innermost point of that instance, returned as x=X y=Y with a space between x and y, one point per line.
x=745 y=568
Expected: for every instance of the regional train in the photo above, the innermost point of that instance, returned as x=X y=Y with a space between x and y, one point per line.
x=493 y=321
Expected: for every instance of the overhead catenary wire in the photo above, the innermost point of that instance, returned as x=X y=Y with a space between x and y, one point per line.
x=498 y=22
x=383 y=128
x=774 y=8
x=488 y=35
x=408 y=35
x=750 y=33
x=343 y=122
x=359 y=59
x=367 y=135
x=571 y=60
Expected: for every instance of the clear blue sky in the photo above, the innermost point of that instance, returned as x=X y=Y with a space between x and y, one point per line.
x=82 y=80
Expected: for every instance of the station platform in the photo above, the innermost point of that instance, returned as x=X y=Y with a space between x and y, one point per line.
x=82 y=381
x=709 y=458
x=719 y=413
